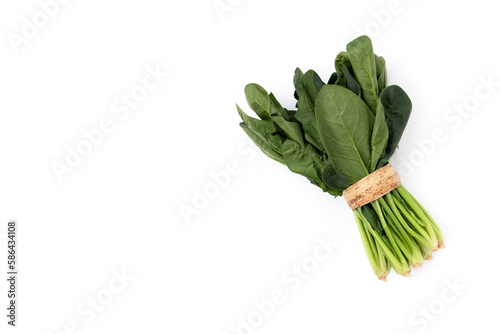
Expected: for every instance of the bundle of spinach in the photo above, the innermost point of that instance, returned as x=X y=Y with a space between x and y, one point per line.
x=341 y=132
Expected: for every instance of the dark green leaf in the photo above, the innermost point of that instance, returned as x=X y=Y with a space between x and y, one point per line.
x=259 y=101
x=312 y=84
x=344 y=126
x=372 y=217
x=296 y=82
x=380 y=136
x=397 y=108
x=276 y=108
x=265 y=130
x=290 y=128
x=333 y=179
x=351 y=82
x=341 y=58
x=341 y=82
x=305 y=115
x=333 y=78
x=307 y=162
x=268 y=108
x=362 y=59
x=381 y=73
x=264 y=147
x=304 y=161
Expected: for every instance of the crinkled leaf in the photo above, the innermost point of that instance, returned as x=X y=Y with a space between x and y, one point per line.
x=305 y=161
x=341 y=58
x=268 y=108
x=265 y=130
x=264 y=146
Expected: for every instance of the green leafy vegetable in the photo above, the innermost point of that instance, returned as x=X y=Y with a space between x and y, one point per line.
x=351 y=82
x=333 y=78
x=344 y=127
x=297 y=78
x=306 y=162
x=265 y=130
x=341 y=132
x=259 y=101
x=397 y=108
x=262 y=144
x=381 y=73
x=341 y=58
x=305 y=115
x=311 y=84
x=380 y=136
x=362 y=59
x=333 y=178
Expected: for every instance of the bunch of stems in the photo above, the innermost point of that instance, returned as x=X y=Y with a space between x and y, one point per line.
x=397 y=232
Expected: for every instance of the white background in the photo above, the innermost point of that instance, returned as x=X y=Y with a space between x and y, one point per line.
x=120 y=208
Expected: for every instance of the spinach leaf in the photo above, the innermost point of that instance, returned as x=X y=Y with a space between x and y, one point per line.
x=344 y=127
x=372 y=218
x=311 y=84
x=268 y=108
x=362 y=59
x=296 y=82
x=380 y=137
x=307 y=162
x=289 y=129
x=263 y=145
x=333 y=179
x=265 y=130
x=258 y=100
x=350 y=81
x=341 y=82
x=302 y=160
x=397 y=108
x=381 y=73
x=276 y=108
x=305 y=115
x=341 y=58
x=333 y=78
